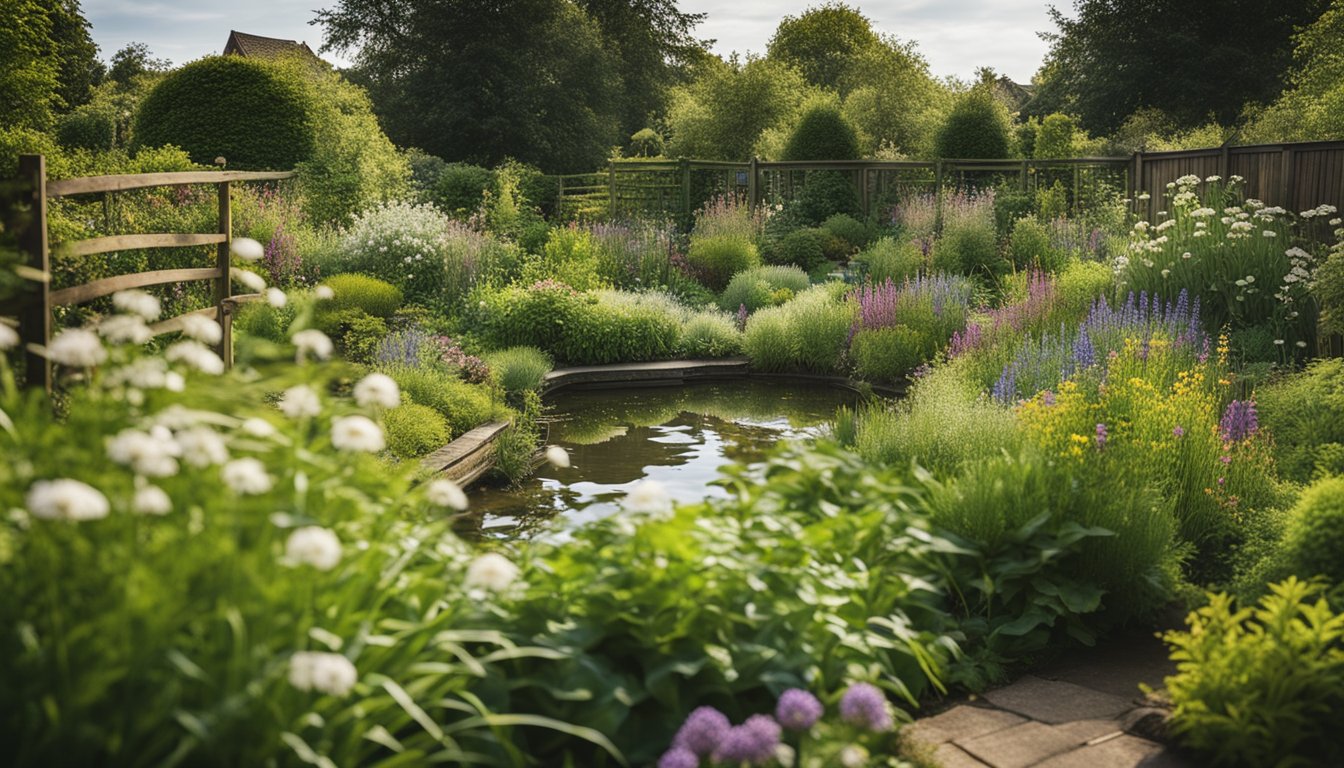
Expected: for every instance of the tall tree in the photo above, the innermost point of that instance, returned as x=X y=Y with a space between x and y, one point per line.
x=73 y=47
x=724 y=111
x=1192 y=59
x=654 y=46
x=481 y=80
x=133 y=60
x=824 y=43
x=29 y=76
x=1313 y=106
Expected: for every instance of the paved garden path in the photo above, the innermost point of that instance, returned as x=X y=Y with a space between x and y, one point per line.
x=1084 y=711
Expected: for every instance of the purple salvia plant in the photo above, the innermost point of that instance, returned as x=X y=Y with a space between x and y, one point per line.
x=1239 y=421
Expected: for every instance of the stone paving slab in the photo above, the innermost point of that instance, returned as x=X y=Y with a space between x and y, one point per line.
x=1120 y=752
x=952 y=756
x=965 y=721
x=1019 y=746
x=1055 y=702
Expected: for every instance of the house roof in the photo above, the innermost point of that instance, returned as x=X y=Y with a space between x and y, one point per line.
x=258 y=47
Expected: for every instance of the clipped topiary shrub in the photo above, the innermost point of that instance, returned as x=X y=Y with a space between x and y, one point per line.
x=766 y=286
x=465 y=406
x=414 y=430
x=1315 y=536
x=353 y=290
x=245 y=110
x=717 y=258
x=825 y=194
x=976 y=128
x=822 y=133
x=802 y=248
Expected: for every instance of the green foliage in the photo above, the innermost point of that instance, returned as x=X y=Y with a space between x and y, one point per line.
x=716 y=258
x=1079 y=286
x=722 y=112
x=824 y=194
x=414 y=430
x=709 y=334
x=1311 y=107
x=536 y=316
x=942 y=423
x=765 y=286
x=1055 y=138
x=822 y=133
x=516 y=448
x=968 y=247
x=87 y=127
x=402 y=244
x=357 y=291
x=977 y=128
x=615 y=326
x=887 y=354
x=853 y=232
x=465 y=406
x=355 y=332
x=801 y=248
x=888 y=259
x=519 y=369
x=29 y=72
x=806 y=334
x=1260 y=685
x=646 y=142
x=437 y=74
x=569 y=256
x=461 y=188
x=1304 y=413
x=1011 y=204
x=1328 y=288
x=1029 y=246
x=823 y=43
x=212 y=108
x=1315 y=533
x=259 y=319
x=1057 y=542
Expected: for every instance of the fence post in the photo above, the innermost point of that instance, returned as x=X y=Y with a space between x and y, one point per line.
x=753 y=183
x=685 y=165
x=938 y=195
x=35 y=301
x=864 y=201
x=611 y=189
x=1137 y=179
x=223 y=286
x=1288 y=168
x=1022 y=181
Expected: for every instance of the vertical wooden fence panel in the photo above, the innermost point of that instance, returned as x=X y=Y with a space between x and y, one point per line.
x=223 y=287
x=35 y=301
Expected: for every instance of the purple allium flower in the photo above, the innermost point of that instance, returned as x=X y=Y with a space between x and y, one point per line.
x=678 y=757
x=865 y=706
x=1178 y=431
x=1101 y=435
x=1239 y=420
x=704 y=728
x=752 y=742
x=797 y=709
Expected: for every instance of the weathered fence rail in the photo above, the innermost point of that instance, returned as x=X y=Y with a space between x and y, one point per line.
x=35 y=305
x=1296 y=176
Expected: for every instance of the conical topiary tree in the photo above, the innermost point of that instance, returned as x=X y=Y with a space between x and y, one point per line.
x=977 y=127
x=822 y=133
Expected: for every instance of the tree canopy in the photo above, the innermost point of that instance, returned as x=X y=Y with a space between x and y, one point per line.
x=1191 y=60
x=824 y=43
x=1313 y=106
x=724 y=111
x=48 y=62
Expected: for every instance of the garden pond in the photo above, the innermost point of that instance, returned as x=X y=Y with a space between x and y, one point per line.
x=679 y=436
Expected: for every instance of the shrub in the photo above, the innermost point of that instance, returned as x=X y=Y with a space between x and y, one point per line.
x=887 y=354
x=414 y=430
x=356 y=291
x=709 y=334
x=401 y=243
x=1329 y=290
x=87 y=127
x=765 y=286
x=464 y=406
x=802 y=248
x=976 y=128
x=1011 y=204
x=1315 y=536
x=769 y=342
x=718 y=257
x=1304 y=414
x=888 y=259
x=1079 y=286
x=853 y=232
x=519 y=369
x=261 y=320
x=646 y=142
x=1262 y=685
x=1057 y=541
x=822 y=133
x=569 y=256
x=461 y=188
x=536 y=316
x=1029 y=246
x=355 y=333
x=615 y=326
x=808 y=333
x=824 y=194
x=968 y=247
x=218 y=105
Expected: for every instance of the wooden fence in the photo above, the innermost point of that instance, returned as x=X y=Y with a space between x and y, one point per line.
x=35 y=305
x=1295 y=176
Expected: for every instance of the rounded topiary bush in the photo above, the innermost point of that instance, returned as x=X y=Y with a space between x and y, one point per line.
x=252 y=113
x=646 y=143
x=414 y=430
x=1315 y=536
x=855 y=233
x=718 y=257
x=766 y=286
x=356 y=291
x=976 y=128
x=803 y=248
x=822 y=133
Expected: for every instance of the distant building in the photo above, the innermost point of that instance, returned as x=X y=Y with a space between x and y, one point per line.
x=258 y=47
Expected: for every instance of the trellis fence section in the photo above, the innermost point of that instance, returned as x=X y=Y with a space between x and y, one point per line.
x=1296 y=176
x=37 y=302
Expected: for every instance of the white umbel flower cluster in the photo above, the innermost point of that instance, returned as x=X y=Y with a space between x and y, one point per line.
x=312 y=343
x=9 y=338
x=125 y=329
x=195 y=355
x=138 y=303
x=148 y=454
x=76 y=348
x=648 y=497
x=446 y=493
x=151 y=500
x=315 y=546
x=66 y=499
x=247 y=249
x=300 y=402
x=491 y=572
x=202 y=329
x=377 y=390
x=557 y=456
x=357 y=433
x=247 y=477
x=329 y=673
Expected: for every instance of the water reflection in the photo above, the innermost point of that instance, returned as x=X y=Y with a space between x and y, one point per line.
x=678 y=436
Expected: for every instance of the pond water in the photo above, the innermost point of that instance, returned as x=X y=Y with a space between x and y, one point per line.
x=679 y=436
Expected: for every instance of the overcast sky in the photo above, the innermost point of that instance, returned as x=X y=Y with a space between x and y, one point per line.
x=956 y=36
